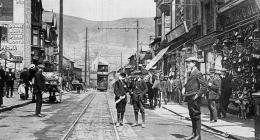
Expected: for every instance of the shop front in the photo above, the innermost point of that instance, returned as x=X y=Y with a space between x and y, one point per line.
x=239 y=47
x=181 y=46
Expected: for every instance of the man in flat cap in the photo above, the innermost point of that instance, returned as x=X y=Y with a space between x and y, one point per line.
x=120 y=90
x=194 y=88
x=39 y=87
x=139 y=89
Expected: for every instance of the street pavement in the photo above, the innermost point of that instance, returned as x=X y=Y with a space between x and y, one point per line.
x=161 y=124
x=21 y=123
x=236 y=127
x=15 y=101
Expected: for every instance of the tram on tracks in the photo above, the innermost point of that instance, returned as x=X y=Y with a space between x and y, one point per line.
x=102 y=77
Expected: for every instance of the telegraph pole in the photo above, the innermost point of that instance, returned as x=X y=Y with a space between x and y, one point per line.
x=121 y=61
x=86 y=56
x=88 y=67
x=137 y=45
x=137 y=37
x=61 y=38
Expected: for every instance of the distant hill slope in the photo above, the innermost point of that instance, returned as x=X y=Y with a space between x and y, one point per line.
x=108 y=43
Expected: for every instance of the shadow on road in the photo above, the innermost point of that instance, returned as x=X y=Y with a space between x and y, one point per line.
x=178 y=135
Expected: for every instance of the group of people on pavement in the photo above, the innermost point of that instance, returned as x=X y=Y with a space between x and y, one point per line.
x=170 y=88
x=6 y=82
x=31 y=78
x=166 y=87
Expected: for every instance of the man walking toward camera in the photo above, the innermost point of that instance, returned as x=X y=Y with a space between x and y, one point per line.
x=194 y=88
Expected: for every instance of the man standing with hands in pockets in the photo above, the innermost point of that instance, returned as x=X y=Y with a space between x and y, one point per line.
x=194 y=88
x=120 y=90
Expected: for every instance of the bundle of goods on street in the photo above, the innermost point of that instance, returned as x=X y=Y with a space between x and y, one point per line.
x=52 y=85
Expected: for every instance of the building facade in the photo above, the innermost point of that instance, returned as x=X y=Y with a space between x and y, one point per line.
x=49 y=40
x=221 y=33
x=20 y=22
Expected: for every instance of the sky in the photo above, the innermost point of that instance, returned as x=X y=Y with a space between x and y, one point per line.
x=103 y=10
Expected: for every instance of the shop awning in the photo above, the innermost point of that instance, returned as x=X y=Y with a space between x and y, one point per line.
x=156 y=58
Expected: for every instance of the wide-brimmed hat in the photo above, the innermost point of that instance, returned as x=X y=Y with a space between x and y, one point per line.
x=192 y=59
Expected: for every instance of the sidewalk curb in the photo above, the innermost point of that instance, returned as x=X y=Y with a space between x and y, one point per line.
x=211 y=128
x=18 y=105
x=15 y=106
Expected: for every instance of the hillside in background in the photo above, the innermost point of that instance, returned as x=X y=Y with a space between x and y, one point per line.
x=107 y=43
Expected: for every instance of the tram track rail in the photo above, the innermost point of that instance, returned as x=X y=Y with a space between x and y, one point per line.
x=70 y=131
x=113 y=120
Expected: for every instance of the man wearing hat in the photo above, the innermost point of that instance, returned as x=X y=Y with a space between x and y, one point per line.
x=120 y=90
x=226 y=89
x=2 y=83
x=139 y=89
x=32 y=71
x=214 y=92
x=39 y=87
x=194 y=88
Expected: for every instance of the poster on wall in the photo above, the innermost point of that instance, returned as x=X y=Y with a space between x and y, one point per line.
x=12 y=43
x=12 y=37
x=6 y=10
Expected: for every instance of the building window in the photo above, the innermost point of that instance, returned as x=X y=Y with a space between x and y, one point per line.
x=35 y=37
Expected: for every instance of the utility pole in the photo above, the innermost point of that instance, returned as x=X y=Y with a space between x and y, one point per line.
x=61 y=38
x=88 y=67
x=137 y=37
x=121 y=61
x=137 y=45
x=86 y=56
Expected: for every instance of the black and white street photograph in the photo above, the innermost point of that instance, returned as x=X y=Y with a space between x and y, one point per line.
x=130 y=69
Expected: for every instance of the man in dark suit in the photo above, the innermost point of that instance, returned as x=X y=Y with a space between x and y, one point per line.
x=10 y=77
x=2 y=84
x=120 y=90
x=139 y=90
x=39 y=87
x=151 y=91
x=25 y=77
x=214 y=92
x=194 y=88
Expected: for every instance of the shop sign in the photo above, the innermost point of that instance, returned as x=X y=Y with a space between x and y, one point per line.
x=241 y=12
x=177 y=32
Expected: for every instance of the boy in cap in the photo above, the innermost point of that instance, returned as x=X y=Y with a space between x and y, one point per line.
x=213 y=95
x=120 y=90
x=194 y=88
